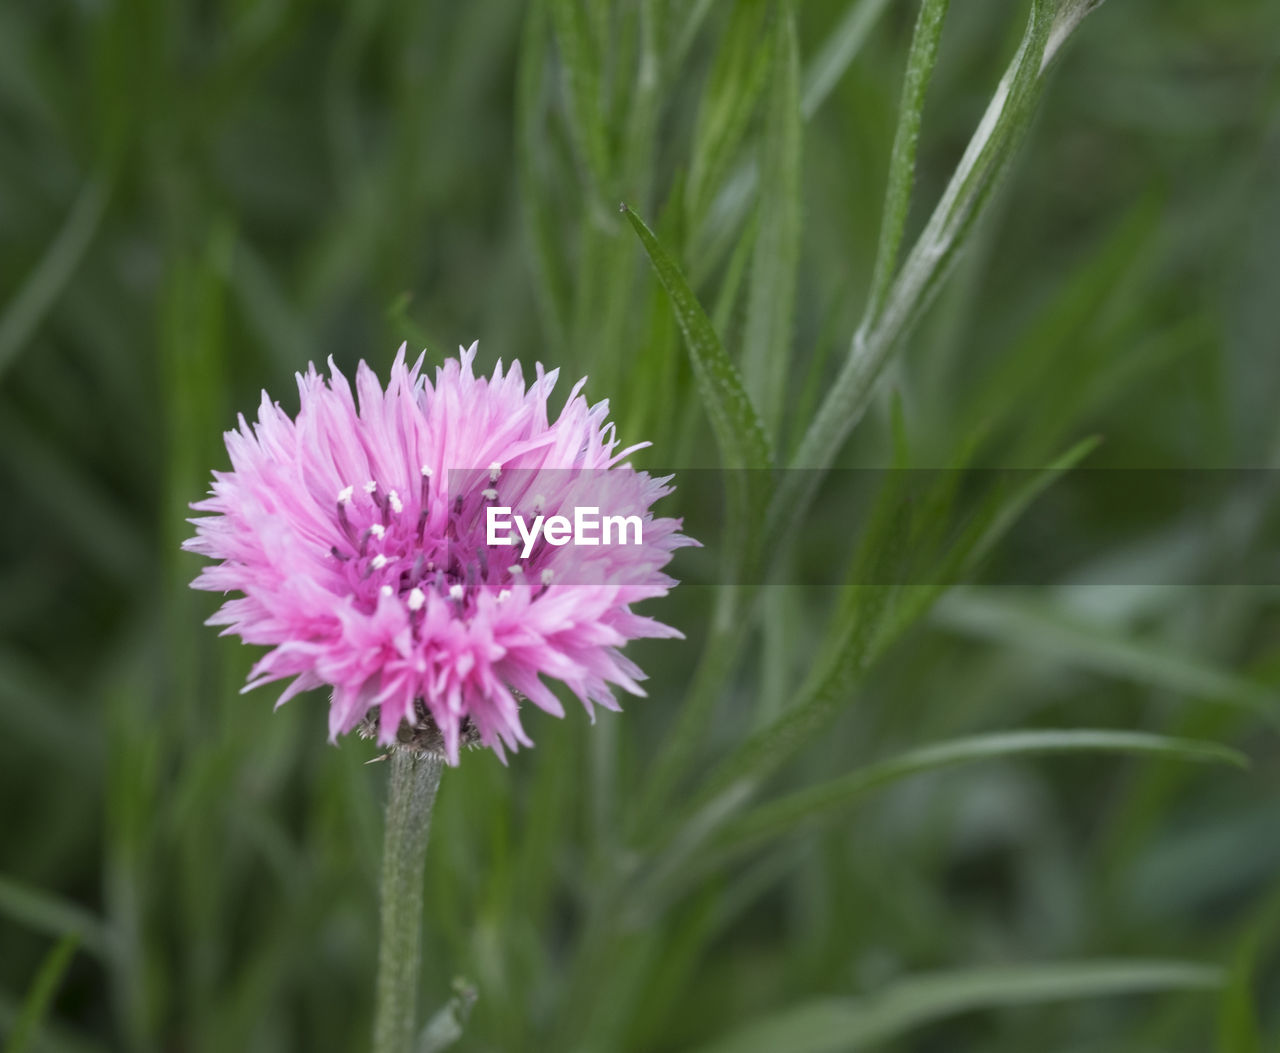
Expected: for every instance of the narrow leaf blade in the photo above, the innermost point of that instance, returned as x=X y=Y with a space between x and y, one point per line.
x=1024 y=624
x=44 y=912
x=838 y=53
x=902 y=162
x=828 y=799
x=737 y=426
x=771 y=305
x=843 y=1025
x=41 y=994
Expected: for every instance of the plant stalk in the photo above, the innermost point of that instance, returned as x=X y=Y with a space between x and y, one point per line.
x=415 y=777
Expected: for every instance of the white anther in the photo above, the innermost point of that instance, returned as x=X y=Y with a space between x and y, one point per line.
x=370 y=486
x=379 y=561
x=538 y=502
x=495 y=470
x=455 y=592
x=490 y=494
x=416 y=599
x=387 y=590
x=547 y=575
x=427 y=473
x=344 y=495
x=515 y=568
x=378 y=531
x=393 y=499
x=504 y=595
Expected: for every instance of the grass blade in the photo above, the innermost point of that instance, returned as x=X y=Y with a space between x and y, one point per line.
x=738 y=189
x=47 y=913
x=986 y=159
x=734 y=87
x=40 y=996
x=1025 y=624
x=586 y=90
x=873 y=613
x=54 y=270
x=839 y=51
x=686 y=861
x=98 y=527
x=551 y=282
x=726 y=306
x=771 y=306
x=827 y=799
x=902 y=162
x=1238 y=1030
x=828 y=1025
x=684 y=35
x=737 y=426
x=1239 y=1008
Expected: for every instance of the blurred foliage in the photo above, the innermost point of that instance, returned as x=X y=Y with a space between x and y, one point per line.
x=198 y=198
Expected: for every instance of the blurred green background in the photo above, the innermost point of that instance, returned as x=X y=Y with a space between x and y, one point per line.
x=198 y=198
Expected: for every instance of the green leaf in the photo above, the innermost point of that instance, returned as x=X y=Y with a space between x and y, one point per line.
x=40 y=996
x=743 y=444
x=734 y=420
x=860 y=614
x=731 y=282
x=880 y=334
x=874 y=611
x=738 y=77
x=829 y=798
x=681 y=744
x=842 y=1025
x=1067 y=16
x=279 y=326
x=1054 y=343
x=1003 y=506
x=1022 y=623
x=771 y=306
x=49 y=277
x=49 y=721
x=902 y=161
x=447 y=1024
x=655 y=406
x=551 y=283
x=582 y=64
x=612 y=308
x=710 y=841
x=193 y=354
x=1238 y=1030
x=838 y=52
x=98 y=528
x=740 y=186
x=695 y=14
x=44 y=912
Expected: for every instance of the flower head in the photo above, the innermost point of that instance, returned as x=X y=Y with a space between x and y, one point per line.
x=356 y=536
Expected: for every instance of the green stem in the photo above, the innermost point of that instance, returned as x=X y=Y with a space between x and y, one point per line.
x=415 y=777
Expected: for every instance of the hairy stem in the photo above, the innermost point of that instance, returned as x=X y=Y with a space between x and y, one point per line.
x=415 y=777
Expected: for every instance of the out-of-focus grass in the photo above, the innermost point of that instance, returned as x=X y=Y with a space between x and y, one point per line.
x=197 y=199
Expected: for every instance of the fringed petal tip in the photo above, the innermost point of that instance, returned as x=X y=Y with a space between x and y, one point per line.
x=331 y=530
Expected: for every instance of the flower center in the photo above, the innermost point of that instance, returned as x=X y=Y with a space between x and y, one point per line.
x=407 y=546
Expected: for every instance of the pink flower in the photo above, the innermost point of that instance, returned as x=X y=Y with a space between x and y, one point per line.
x=356 y=534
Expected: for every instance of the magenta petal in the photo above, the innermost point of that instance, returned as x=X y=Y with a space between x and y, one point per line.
x=354 y=566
